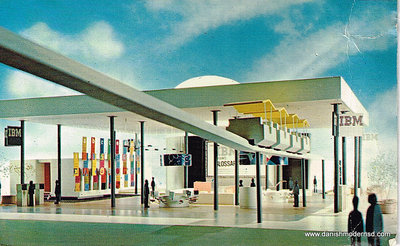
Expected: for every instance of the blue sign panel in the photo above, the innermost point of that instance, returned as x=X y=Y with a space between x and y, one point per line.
x=176 y=160
x=278 y=160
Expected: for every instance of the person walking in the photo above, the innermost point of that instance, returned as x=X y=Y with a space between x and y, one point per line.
x=253 y=184
x=296 y=193
x=374 y=222
x=240 y=183
x=58 y=192
x=315 y=184
x=153 y=186
x=355 y=224
x=146 y=194
x=31 y=192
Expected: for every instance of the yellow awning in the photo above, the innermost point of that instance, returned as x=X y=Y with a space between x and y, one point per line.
x=266 y=110
x=253 y=107
x=293 y=118
x=300 y=124
x=276 y=116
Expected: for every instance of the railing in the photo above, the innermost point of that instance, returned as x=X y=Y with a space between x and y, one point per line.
x=280 y=182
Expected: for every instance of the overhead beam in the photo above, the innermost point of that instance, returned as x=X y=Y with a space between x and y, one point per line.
x=30 y=57
x=25 y=55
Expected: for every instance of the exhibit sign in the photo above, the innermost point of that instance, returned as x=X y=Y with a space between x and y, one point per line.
x=84 y=145
x=109 y=153
x=92 y=148
x=13 y=136
x=77 y=173
x=247 y=158
x=351 y=125
x=226 y=161
x=176 y=160
x=124 y=162
x=109 y=163
x=76 y=164
x=277 y=160
x=102 y=169
x=85 y=173
x=95 y=177
x=117 y=147
x=117 y=171
x=137 y=147
x=78 y=183
x=132 y=160
x=94 y=165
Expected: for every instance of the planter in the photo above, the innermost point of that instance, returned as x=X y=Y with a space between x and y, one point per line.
x=388 y=206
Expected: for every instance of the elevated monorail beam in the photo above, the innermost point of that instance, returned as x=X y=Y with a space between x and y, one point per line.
x=30 y=57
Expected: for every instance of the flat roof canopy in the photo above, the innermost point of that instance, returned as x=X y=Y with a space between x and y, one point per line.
x=85 y=111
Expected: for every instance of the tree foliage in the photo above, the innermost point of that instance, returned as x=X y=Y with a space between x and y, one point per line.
x=382 y=172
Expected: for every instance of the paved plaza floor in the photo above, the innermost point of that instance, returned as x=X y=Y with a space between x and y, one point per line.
x=96 y=223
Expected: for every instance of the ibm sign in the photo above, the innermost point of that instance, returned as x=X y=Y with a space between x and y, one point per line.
x=13 y=136
x=351 y=120
x=351 y=125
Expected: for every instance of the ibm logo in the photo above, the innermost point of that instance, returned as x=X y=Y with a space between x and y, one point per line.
x=351 y=120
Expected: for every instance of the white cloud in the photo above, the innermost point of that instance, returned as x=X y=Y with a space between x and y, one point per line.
x=98 y=41
x=97 y=44
x=383 y=123
x=302 y=56
x=383 y=119
x=21 y=84
x=197 y=17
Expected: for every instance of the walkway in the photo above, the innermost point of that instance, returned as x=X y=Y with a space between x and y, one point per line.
x=229 y=225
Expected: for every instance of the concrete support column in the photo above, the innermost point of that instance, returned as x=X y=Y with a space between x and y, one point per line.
x=335 y=131
x=344 y=182
x=142 y=161
x=22 y=152
x=355 y=166
x=359 y=160
x=323 y=179
x=112 y=136
x=237 y=159
x=258 y=188
x=186 y=168
x=303 y=181
x=278 y=178
x=215 y=121
x=59 y=157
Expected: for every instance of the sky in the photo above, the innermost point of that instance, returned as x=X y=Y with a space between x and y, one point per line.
x=157 y=44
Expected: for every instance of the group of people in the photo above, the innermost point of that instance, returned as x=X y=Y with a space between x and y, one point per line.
x=252 y=184
x=373 y=225
x=290 y=183
x=147 y=191
x=31 y=193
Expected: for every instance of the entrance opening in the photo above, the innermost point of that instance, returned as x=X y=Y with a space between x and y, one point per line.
x=198 y=149
x=47 y=177
x=294 y=170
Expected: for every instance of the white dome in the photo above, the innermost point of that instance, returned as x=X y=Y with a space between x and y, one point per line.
x=208 y=80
